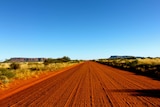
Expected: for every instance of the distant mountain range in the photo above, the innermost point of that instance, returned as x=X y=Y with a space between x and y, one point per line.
x=26 y=60
x=124 y=57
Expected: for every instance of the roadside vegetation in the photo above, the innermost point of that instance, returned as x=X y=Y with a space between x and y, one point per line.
x=10 y=71
x=145 y=66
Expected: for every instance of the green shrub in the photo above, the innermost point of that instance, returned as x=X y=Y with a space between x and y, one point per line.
x=48 y=61
x=14 y=66
x=58 y=60
x=133 y=64
x=7 y=73
x=35 y=69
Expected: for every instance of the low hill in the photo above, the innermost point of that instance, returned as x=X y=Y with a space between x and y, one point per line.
x=26 y=60
x=124 y=57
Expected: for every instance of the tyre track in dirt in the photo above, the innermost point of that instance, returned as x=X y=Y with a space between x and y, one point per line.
x=89 y=85
x=125 y=84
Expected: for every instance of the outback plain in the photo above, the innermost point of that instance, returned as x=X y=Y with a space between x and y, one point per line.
x=79 y=53
x=97 y=83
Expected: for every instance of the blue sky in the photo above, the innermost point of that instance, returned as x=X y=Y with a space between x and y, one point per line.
x=80 y=29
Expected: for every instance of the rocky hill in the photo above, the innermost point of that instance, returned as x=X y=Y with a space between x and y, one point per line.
x=26 y=60
x=124 y=57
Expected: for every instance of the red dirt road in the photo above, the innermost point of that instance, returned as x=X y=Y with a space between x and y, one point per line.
x=89 y=85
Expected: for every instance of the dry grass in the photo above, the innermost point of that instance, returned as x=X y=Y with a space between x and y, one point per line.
x=147 y=66
x=4 y=65
x=27 y=70
x=154 y=61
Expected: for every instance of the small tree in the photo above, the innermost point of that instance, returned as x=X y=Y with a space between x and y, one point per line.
x=65 y=59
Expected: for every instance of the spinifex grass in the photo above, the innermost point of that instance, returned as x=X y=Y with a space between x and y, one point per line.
x=147 y=66
x=27 y=70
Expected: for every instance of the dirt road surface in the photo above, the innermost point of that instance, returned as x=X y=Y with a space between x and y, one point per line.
x=89 y=85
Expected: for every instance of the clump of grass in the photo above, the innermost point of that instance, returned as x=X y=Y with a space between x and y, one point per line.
x=24 y=74
x=4 y=79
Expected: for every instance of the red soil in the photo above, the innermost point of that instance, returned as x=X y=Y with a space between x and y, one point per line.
x=86 y=85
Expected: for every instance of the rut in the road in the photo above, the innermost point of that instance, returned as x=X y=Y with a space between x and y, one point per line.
x=89 y=85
